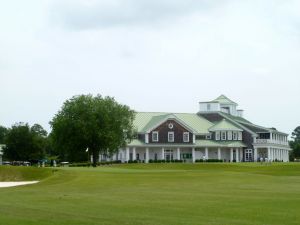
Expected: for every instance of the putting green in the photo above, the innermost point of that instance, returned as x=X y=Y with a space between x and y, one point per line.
x=156 y=194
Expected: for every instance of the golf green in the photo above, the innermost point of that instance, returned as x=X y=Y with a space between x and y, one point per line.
x=156 y=194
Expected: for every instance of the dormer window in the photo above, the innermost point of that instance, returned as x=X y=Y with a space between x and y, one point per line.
x=223 y=135
x=186 y=136
x=155 y=136
x=218 y=135
x=229 y=135
x=235 y=136
x=240 y=136
x=170 y=136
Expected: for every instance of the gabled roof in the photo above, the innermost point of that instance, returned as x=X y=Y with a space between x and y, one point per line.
x=224 y=125
x=148 y=120
x=224 y=100
x=248 y=125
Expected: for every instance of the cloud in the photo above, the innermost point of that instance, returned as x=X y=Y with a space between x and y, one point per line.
x=82 y=14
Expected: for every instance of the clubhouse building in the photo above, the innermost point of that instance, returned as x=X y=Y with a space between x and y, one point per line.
x=217 y=131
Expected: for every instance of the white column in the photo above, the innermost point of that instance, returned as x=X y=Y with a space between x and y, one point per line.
x=231 y=155
x=219 y=153
x=193 y=155
x=255 y=155
x=241 y=155
x=269 y=154
x=178 y=154
x=133 y=154
x=162 y=153
x=147 y=155
x=127 y=154
x=206 y=153
x=237 y=155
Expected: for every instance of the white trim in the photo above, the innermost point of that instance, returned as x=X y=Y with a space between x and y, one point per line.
x=170 y=140
x=153 y=135
x=146 y=138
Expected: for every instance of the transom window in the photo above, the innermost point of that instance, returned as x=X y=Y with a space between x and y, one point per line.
x=186 y=136
x=170 y=136
x=155 y=136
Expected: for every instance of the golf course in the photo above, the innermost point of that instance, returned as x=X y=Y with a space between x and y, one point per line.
x=153 y=194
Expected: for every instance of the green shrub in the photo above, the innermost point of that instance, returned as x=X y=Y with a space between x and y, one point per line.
x=82 y=164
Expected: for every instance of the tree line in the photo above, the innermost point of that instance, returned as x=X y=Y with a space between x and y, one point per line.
x=84 y=126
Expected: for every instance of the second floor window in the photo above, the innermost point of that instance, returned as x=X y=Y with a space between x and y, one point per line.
x=170 y=136
x=155 y=136
x=223 y=135
x=186 y=136
x=235 y=136
x=218 y=135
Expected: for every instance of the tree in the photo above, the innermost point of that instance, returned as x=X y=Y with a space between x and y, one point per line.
x=3 y=132
x=97 y=123
x=24 y=144
x=295 y=143
x=38 y=129
x=296 y=134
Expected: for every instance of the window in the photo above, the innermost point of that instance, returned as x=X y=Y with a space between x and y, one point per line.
x=170 y=136
x=240 y=137
x=235 y=136
x=186 y=136
x=155 y=136
x=208 y=137
x=208 y=107
x=218 y=135
x=229 y=135
x=223 y=135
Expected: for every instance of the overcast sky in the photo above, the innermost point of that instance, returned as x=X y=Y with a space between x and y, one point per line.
x=153 y=55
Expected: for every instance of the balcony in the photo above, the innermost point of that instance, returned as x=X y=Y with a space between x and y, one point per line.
x=268 y=141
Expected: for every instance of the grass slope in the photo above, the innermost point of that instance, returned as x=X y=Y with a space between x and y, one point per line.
x=13 y=173
x=159 y=194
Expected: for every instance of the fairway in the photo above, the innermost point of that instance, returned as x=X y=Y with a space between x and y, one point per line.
x=154 y=194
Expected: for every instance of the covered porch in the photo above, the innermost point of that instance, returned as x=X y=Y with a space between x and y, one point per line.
x=186 y=154
x=271 y=154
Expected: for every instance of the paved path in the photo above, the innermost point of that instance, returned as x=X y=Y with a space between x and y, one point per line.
x=18 y=183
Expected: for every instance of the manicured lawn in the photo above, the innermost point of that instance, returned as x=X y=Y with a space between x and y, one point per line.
x=156 y=194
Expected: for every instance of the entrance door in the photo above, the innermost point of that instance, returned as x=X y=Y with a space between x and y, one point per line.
x=248 y=155
x=169 y=155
